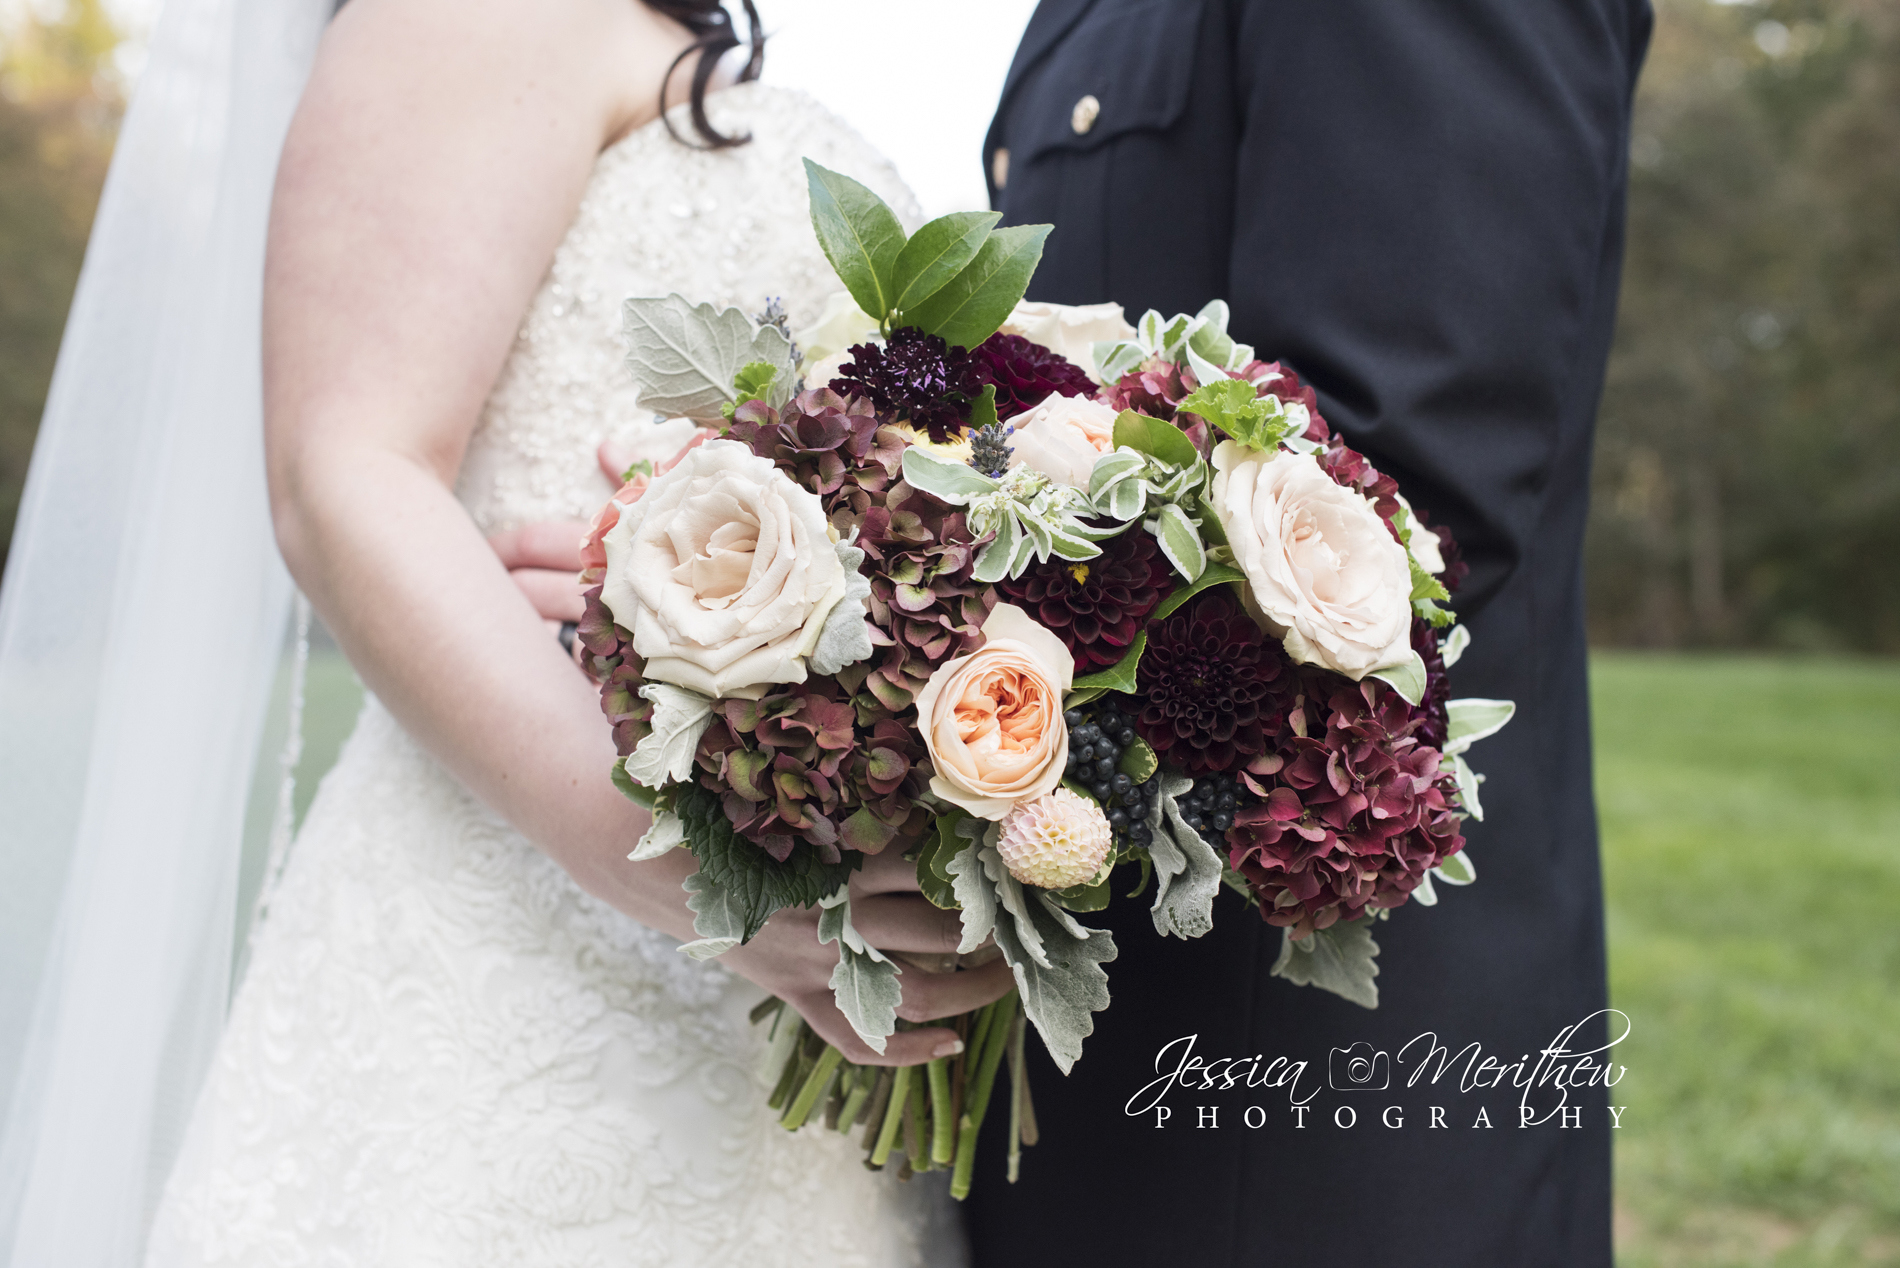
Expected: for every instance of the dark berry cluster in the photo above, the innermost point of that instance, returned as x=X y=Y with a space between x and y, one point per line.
x=1097 y=741
x=1209 y=806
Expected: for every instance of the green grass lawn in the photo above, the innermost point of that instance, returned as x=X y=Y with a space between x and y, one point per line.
x=1751 y=836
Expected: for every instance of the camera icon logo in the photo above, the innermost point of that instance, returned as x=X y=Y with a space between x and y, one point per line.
x=1360 y=1068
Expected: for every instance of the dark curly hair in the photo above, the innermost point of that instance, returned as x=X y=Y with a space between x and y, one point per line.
x=713 y=37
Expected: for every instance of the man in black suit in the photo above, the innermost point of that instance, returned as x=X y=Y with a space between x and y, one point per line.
x=1420 y=208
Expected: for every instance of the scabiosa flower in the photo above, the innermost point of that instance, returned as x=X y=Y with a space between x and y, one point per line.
x=1212 y=688
x=1025 y=373
x=1097 y=606
x=1054 y=841
x=914 y=377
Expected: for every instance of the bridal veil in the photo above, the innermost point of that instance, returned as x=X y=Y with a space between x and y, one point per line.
x=140 y=624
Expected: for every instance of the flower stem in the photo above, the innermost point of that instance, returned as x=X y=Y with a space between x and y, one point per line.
x=1017 y=1077
x=942 y=1125
x=788 y=1075
x=814 y=1086
x=875 y=1111
x=893 y=1115
x=855 y=1103
x=916 y=1124
x=995 y=1025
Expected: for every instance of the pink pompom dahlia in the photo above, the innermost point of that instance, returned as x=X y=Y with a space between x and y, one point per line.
x=1055 y=841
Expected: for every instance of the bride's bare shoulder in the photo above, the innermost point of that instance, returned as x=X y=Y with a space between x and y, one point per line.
x=601 y=61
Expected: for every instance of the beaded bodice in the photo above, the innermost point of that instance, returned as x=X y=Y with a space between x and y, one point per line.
x=722 y=226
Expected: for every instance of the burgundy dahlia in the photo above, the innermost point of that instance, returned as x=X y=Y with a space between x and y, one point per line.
x=914 y=378
x=1433 y=720
x=1096 y=606
x=1024 y=373
x=1212 y=689
x=1356 y=810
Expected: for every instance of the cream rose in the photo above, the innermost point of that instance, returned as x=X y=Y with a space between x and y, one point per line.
x=1325 y=574
x=1062 y=438
x=992 y=720
x=840 y=324
x=1070 y=331
x=725 y=571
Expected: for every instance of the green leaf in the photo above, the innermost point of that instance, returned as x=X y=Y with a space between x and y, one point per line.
x=933 y=859
x=1084 y=897
x=1457 y=869
x=1119 y=676
x=1407 y=678
x=755 y=882
x=1336 y=959
x=638 y=794
x=1154 y=437
x=753 y=383
x=938 y=252
x=685 y=357
x=1236 y=407
x=1179 y=542
x=1211 y=576
x=1210 y=339
x=1115 y=467
x=954 y=482
x=1139 y=761
x=983 y=408
x=968 y=308
x=1472 y=719
x=859 y=234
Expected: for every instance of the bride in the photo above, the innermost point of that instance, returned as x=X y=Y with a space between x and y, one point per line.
x=464 y=1036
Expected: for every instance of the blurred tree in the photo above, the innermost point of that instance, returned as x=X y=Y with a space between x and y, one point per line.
x=1748 y=466
x=60 y=102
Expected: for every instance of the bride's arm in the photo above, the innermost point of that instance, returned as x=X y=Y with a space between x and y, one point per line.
x=438 y=155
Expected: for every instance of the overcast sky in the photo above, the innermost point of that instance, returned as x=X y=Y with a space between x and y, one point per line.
x=919 y=78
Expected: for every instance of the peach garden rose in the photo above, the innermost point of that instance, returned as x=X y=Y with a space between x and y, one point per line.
x=992 y=720
x=1062 y=438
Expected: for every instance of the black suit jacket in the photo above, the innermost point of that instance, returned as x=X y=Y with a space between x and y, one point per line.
x=1420 y=207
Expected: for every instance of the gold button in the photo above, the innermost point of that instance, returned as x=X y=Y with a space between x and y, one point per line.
x=1086 y=111
x=999 y=166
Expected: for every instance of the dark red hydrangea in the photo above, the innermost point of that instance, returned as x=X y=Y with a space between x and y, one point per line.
x=1097 y=606
x=1356 y=811
x=797 y=765
x=835 y=447
x=608 y=657
x=1025 y=373
x=1154 y=389
x=914 y=378
x=925 y=606
x=1212 y=690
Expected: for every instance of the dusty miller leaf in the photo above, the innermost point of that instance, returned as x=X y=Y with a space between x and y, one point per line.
x=665 y=754
x=666 y=833
x=1183 y=907
x=1337 y=959
x=1061 y=998
x=864 y=983
x=844 y=640
x=972 y=886
x=686 y=357
x=719 y=918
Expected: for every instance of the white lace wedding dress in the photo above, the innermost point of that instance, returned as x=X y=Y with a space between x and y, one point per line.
x=444 y=1052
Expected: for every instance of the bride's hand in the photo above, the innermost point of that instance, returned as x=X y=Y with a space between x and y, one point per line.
x=544 y=562
x=544 y=559
x=787 y=959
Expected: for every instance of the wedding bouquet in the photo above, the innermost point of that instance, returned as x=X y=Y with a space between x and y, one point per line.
x=1029 y=595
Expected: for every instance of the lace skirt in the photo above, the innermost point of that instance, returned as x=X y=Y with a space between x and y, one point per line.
x=445 y=1053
